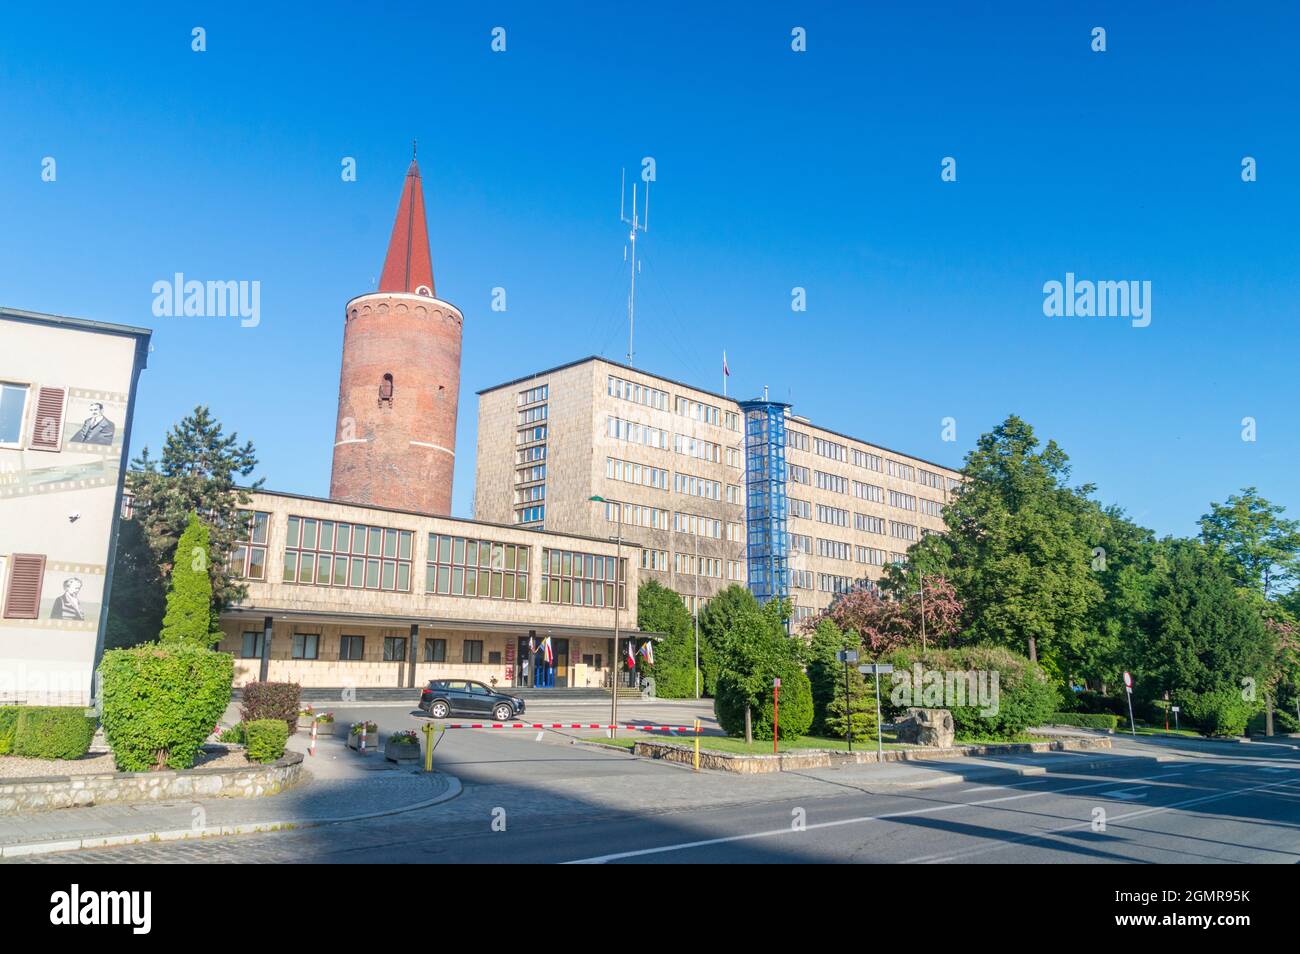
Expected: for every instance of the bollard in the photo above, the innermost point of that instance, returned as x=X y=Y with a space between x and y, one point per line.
x=697 y=745
x=428 y=746
x=361 y=747
x=311 y=749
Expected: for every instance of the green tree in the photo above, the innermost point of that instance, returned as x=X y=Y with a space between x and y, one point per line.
x=1262 y=545
x=825 y=672
x=855 y=703
x=755 y=650
x=660 y=610
x=1018 y=548
x=1206 y=639
x=135 y=613
x=715 y=620
x=196 y=474
x=190 y=617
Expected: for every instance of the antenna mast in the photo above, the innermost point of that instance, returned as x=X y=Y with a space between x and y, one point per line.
x=637 y=224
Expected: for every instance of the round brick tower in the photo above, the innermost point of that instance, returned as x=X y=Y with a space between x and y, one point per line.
x=395 y=443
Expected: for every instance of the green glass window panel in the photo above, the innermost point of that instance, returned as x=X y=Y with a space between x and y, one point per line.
x=457 y=581
x=510 y=558
x=343 y=538
x=554 y=590
x=358 y=541
x=404 y=577
x=358 y=570
x=257 y=564
x=390 y=575
x=589 y=566
x=390 y=543
x=326 y=535
x=430 y=577
x=498 y=556
x=341 y=571
x=508 y=586
x=373 y=543
x=484 y=554
x=324 y=570
x=496 y=586
x=372 y=574
x=290 y=566
x=291 y=532
x=566 y=564
x=566 y=592
x=471 y=553
x=600 y=593
x=309 y=528
x=521 y=587
x=260 y=521
x=404 y=545
x=471 y=582
x=484 y=582
x=458 y=551
x=609 y=594
x=306 y=570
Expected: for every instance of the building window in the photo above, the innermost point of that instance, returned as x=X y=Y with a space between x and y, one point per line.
x=306 y=646
x=394 y=648
x=248 y=559
x=352 y=647
x=582 y=579
x=328 y=553
x=435 y=650
x=461 y=566
x=471 y=651
x=494 y=659
x=13 y=407
x=252 y=645
x=386 y=391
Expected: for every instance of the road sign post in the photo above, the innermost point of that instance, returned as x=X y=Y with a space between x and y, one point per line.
x=847 y=656
x=880 y=737
x=1128 y=691
x=1174 y=709
x=776 y=712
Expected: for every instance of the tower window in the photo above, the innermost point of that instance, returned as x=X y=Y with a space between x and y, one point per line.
x=386 y=391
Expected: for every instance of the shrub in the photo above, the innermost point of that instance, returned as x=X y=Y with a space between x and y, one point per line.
x=161 y=702
x=1085 y=720
x=1090 y=700
x=53 y=732
x=271 y=700
x=405 y=737
x=266 y=739
x=1024 y=696
x=862 y=696
x=234 y=734
x=1220 y=712
x=8 y=723
x=796 y=705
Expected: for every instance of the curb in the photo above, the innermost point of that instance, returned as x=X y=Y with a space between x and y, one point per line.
x=185 y=834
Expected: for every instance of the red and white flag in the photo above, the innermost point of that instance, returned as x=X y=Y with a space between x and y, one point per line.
x=726 y=371
x=631 y=656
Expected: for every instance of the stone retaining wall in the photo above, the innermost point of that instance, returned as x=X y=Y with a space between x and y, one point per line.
x=825 y=758
x=65 y=791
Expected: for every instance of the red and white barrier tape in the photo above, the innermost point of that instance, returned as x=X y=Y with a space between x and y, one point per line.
x=568 y=725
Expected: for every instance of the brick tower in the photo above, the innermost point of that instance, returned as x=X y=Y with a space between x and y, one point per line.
x=395 y=443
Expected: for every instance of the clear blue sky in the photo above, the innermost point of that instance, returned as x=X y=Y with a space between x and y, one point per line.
x=775 y=169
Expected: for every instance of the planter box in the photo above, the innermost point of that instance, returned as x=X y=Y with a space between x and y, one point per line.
x=372 y=741
x=402 y=753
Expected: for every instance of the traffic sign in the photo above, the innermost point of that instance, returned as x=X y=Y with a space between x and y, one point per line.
x=879 y=669
x=846 y=656
x=1128 y=680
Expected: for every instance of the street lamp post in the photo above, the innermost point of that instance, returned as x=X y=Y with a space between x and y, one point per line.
x=616 y=662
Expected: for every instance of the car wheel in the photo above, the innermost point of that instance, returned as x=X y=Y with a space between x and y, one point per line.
x=502 y=712
x=439 y=710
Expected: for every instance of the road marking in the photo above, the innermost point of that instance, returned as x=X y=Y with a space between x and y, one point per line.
x=539 y=736
x=933 y=809
x=1127 y=794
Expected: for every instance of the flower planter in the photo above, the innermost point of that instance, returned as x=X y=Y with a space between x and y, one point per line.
x=372 y=741
x=402 y=753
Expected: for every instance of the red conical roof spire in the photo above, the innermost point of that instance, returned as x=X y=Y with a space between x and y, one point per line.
x=408 y=267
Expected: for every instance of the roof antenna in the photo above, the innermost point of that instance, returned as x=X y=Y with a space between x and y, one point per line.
x=413 y=150
x=638 y=225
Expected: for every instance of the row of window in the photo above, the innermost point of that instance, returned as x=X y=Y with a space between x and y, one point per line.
x=533 y=395
x=636 y=393
x=352 y=648
x=532 y=415
x=582 y=579
x=463 y=566
x=697 y=486
x=832 y=515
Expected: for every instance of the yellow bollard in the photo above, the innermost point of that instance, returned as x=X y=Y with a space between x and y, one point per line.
x=428 y=746
x=697 y=745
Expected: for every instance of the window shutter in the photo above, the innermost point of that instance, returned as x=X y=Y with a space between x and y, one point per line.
x=26 y=573
x=47 y=429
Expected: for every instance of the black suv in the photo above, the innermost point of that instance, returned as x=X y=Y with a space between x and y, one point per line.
x=442 y=697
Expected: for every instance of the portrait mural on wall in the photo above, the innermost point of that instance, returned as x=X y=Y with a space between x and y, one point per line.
x=68 y=604
x=96 y=428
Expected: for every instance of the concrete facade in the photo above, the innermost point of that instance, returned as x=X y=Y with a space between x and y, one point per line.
x=674 y=457
x=67 y=392
x=411 y=623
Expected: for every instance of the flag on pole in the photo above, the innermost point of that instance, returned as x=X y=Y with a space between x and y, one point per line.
x=532 y=645
x=631 y=657
x=726 y=372
x=648 y=652
x=547 y=654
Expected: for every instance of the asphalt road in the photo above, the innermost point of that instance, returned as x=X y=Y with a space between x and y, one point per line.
x=550 y=801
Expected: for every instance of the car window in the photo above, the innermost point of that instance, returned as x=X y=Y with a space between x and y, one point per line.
x=479 y=689
x=456 y=686
x=437 y=684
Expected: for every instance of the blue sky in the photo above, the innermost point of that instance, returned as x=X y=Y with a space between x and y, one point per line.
x=775 y=169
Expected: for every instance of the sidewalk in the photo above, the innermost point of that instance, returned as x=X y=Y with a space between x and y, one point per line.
x=338 y=785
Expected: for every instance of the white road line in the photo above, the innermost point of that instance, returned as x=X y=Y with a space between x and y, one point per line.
x=933 y=809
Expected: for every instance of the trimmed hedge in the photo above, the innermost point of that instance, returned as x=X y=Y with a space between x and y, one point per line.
x=271 y=700
x=265 y=739
x=8 y=725
x=161 y=702
x=53 y=732
x=1085 y=720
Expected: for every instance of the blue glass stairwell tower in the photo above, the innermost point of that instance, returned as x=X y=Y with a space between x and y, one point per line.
x=765 y=500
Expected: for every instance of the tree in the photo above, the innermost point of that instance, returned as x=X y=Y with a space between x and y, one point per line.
x=715 y=620
x=825 y=672
x=1206 y=640
x=660 y=610
x=855 y=704
x=755 y=650
x=865 y=611
x=1018 y=548
x=189 y=618
x=1262 y=545
x=135 y=613
x=195 y=475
